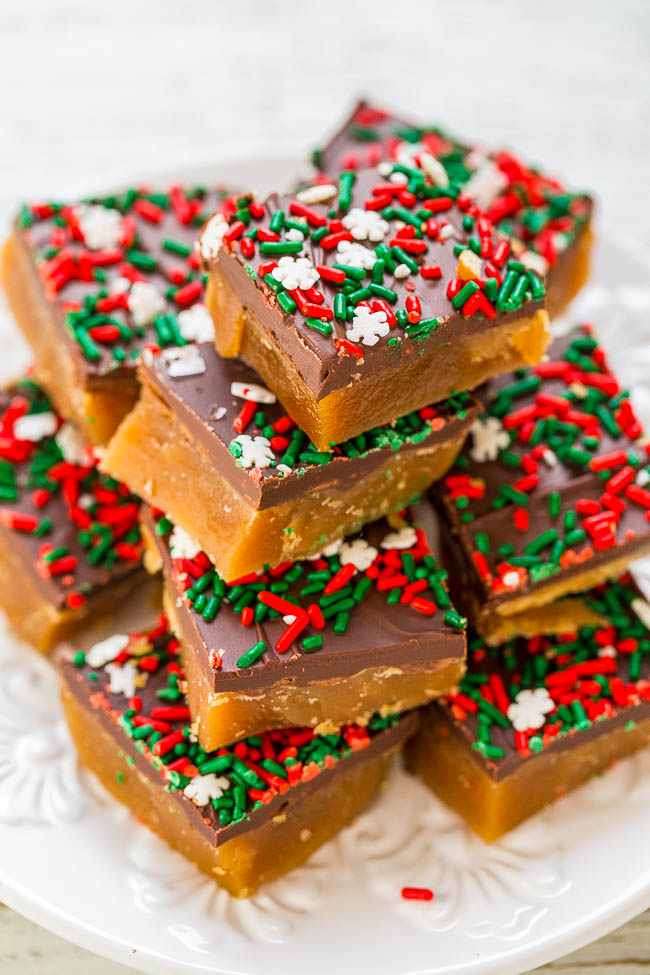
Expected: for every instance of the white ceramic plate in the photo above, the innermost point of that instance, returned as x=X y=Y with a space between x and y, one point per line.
x=76 y=862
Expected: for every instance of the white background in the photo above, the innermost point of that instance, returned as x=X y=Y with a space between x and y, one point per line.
x=89 y=89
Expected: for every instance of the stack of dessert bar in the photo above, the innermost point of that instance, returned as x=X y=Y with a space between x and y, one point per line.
x=337 y=408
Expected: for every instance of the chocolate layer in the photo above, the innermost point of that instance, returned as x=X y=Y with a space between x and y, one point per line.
x=260 y=768
x=207 y=408
x=552 y=478
x=75 y=529
x=583 y=685
x=440 y=228
x=377 y=633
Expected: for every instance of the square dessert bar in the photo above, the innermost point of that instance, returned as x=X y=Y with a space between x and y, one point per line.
x=537 y=717
x=93 y=284
x=366 y=627
x=550 y=493
x=244 y=815
x=69 y=536
x=210 y=445
x=365 y=298
x=553 y=221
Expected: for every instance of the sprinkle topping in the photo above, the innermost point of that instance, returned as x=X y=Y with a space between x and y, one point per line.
x=519 y=698
x=122 y=271
x=553 y=474
x=316 y=598
x=80 y=526
x=230 y=784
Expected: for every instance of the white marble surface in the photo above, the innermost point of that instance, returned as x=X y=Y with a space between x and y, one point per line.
x=87 y=89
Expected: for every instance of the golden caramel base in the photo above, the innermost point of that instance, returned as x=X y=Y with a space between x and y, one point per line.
x=448 y=766
x=153 y=454
x=245 y=862
x=34 y=618
x=564 y=616
x=461 y=364
x=97 y=412
x=537 y=611
x=565 y=280
x=219 y=719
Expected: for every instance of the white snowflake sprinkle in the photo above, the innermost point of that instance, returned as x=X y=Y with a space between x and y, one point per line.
x=366 y=224
x=296 y=272
x=185 y=361
x=402 y=271
x=367 y=326
x=195 y=324
x=255 y=451
x=203 y=788
x=406 y=537
x=529 y=708
x=212 y=236
x=294 y=234
x=358 y=552
x=106 y=650
x=122 y=679
x=218 y=412
x=145 y=302
x=100 y=226
x=488 y=437
x=182 y=545
x=253 y=392
x=356 y=255
x=35 y=426
x=643 y=477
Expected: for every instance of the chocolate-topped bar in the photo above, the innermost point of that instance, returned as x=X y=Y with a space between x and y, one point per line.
x=366 y=626
x=365 y=298
x=553 y=221
x=69 y=536
x=92 y=284
x=244 y=815
x=550 y=494
x=537 y=717
x=210 y=445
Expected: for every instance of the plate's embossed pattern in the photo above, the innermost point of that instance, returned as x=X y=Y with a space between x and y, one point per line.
x=494 y=890
x=40 y=780
x=161 y=880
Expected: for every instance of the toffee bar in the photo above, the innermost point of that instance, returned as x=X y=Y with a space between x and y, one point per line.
x=245 y=815
x=367 y=626
x=536 y=718
x=362 y=299
x=550 y=493
x=210 y=445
